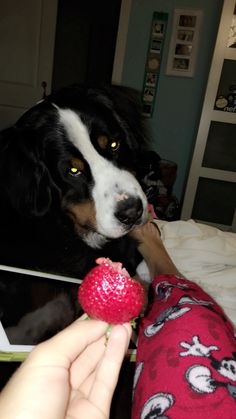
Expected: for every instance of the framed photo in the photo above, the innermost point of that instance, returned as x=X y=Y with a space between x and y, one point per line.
x=149 y=94
x=184 y=43
x=156 y=45
x=151 y=79
x=158 y=28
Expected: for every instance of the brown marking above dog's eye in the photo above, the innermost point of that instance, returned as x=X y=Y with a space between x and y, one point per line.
x=103 y=141
x=76 y=166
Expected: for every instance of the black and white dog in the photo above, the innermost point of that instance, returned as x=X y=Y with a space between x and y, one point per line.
x=67 y=186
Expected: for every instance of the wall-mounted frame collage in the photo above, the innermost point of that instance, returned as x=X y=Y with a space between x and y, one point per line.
x=184 y=42
x=153 y=62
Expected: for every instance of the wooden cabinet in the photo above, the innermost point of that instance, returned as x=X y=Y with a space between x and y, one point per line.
x=210 y=195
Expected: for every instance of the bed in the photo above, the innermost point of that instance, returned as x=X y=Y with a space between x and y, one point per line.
x=203 y=254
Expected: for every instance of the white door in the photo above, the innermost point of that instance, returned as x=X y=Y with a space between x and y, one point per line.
x=27 y=34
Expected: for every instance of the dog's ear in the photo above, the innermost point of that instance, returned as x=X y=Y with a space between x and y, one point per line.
x=23 y=175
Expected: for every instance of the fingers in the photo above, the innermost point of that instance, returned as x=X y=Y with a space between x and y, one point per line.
x=63 y=348
x=87 y=363
x=108 y=371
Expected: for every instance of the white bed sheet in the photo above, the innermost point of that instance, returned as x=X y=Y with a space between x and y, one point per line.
x=205 y=255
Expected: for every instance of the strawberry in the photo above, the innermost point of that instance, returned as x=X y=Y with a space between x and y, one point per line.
x=108 y=293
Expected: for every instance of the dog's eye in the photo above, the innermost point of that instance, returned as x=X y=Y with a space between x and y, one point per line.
x=74 y=171
x=114 y=145
x=107 y=144
x=76 y=167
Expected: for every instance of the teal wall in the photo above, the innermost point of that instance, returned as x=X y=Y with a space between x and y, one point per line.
x=178 y=102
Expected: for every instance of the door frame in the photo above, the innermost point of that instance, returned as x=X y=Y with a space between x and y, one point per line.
x=121 y=40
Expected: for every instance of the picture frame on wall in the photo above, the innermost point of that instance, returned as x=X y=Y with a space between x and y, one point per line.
x=184 y=43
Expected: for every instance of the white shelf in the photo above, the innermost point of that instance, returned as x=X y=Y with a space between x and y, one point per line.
x=230 y=54
x=221 y=116
x=216 y=174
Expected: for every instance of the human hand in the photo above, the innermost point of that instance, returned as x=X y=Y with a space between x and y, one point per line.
x=72 y=375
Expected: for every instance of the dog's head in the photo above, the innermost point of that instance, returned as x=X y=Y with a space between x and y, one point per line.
x=77 y=150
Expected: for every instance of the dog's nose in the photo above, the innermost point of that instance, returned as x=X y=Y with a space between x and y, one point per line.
x=129 y=210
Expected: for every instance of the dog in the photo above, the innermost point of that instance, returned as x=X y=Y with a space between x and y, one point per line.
x=68 y=188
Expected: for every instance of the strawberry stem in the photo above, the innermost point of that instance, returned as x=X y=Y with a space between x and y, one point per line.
x=107 y=334
x=133 y=322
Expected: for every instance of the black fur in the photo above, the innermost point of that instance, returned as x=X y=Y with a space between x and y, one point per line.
x=35 y=231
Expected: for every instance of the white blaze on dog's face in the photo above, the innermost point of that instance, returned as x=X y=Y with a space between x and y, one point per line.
x=113 y=188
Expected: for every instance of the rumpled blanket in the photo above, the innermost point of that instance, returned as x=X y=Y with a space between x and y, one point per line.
x=205 y=255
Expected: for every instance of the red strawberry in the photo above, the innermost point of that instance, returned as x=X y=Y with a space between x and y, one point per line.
x=108 y=293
